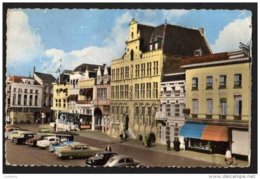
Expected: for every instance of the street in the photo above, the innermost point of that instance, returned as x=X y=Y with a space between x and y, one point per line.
x=27 y=155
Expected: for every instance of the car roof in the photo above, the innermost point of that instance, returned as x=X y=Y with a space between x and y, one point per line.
x=121 y=156
x=74 y=144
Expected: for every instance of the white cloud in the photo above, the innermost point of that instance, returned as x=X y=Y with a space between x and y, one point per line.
x=175 y=13
x=23 y=44
x=113 y=48
x=231 y=35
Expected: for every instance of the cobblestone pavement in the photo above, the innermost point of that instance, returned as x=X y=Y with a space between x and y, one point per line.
x=26 y=155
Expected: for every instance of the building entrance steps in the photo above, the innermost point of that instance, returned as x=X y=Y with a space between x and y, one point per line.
x=213 y=158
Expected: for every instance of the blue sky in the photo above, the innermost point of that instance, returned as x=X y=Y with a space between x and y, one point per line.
x=41 y=37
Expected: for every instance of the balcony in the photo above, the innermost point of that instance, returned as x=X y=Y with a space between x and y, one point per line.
x=85 y=102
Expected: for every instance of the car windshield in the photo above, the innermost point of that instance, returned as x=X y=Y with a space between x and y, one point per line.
x=99 y=155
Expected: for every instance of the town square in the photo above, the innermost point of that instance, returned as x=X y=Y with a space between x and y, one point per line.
x=128 y=88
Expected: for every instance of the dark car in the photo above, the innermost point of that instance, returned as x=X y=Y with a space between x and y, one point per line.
x=100 y=158
x=22 y=137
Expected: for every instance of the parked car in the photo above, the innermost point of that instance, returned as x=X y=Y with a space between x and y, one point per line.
x=120 y=161
x=100 y=158
x=45 y=143
x=11 y=131
x=16 y=133
x=39 y=136
x=56 y=145
x=77 y=150
x=11 y=128
x=21 y=137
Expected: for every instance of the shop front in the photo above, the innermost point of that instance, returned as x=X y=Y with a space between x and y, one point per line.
x=205 y=138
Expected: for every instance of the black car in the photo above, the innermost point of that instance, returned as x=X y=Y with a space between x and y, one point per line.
x=100 y=158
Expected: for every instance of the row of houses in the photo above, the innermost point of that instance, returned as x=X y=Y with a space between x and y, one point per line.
x=167 y=83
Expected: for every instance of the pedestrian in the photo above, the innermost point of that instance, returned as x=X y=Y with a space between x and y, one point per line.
x=121 y=136
x=228 y=157
x=37 y=122
x=108 y=148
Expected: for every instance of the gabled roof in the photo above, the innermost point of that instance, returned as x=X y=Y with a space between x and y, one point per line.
x=215 y=59
x=46 y=78
x=18 y=79
x=173 y=77
x=84 y=66
x=176 y=40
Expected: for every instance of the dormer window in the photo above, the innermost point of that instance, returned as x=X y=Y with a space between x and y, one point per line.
x=151 y=47
x=156 y=46
x=198 y=52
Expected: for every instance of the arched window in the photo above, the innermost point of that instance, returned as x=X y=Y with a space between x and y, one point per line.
x=132 y=55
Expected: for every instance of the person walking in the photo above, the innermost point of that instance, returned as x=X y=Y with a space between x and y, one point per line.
x=228 y=157
x=108 y=148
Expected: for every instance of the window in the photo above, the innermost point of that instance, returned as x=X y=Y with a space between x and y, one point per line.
x=25 y=90
x=36 y=91
x=132 y=55
x=132 y=35
x=137 y=91
x=122 y=73
x=137 y=70
x=126 y=72
x=117 y=74
x=149 y=69
x=209 y=83
x=113 y=92
x=64 y=103
x=30 y=100
x=238 y=81
x=113 y=74
x=155 y=89
x=222 y=81
x=142 y=69
x=177 y=110
x=223 y=108
x=36 y=100
x=25 y=100
x=121 y=91
x=19 y=99
x=151 y=47
x=102 y=93
x=195 y=108
x=149 y=116
x=14 y=90
x=194 y=83
x=155 y=68
x=117 y=92
x=209 y=108
x=148 y=90
x=238 y=107
x=142 y=90
x=56 y=102
x=126 y=91
x=168 y=109
x=156 y=46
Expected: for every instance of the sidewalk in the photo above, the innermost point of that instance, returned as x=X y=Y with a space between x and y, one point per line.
x=212 y=158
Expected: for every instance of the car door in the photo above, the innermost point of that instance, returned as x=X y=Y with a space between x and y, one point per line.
x=121 y=162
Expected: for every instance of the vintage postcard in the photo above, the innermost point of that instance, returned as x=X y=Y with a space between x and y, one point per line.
x=129 y=87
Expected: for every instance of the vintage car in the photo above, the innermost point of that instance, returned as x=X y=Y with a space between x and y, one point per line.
x=11 y=128
x=100 y=158
x=57 y=145
x=21 y=137
x=121 y=161
x=39 y=136
x=77 y=150
x=15 y=133
x=11 y=131
x=45 y=143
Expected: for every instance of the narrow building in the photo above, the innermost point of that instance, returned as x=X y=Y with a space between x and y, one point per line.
x=170 y=117
x=218 y=90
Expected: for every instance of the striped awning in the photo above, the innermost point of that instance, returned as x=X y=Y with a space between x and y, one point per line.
x=215 y=133
x=205 y=132
x=192 y=130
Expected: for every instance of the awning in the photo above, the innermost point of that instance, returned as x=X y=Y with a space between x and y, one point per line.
x=215 y=133
x=192 y=130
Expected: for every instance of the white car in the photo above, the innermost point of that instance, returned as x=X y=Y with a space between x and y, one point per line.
x=121 y=161
x=45 y=143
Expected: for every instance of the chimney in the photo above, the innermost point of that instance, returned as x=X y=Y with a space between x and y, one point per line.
x=201 y=30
